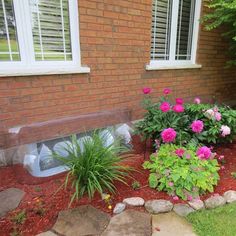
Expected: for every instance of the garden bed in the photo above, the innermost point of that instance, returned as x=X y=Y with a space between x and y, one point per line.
x=43 y=201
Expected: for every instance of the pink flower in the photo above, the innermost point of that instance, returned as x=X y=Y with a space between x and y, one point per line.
x=171 y=184
x=222 y=167
x=179 y=101
x=225 y=130
x=166 y=91
x=175 y=198
x=147 y=90
x=178 y=108
x=204 y=153
x=218 y=116
x=221 y=157
x=210 y=114
x=197 y=100
x=165 y=107
x=190 y=198
x=188 y=156
x=179 y=152
x=168 y=135
x=197 y=126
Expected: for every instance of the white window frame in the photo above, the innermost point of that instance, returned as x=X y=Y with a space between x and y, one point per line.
x=172 y=63
x=28 y=65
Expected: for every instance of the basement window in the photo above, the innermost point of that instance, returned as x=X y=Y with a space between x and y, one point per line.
x=39 y=37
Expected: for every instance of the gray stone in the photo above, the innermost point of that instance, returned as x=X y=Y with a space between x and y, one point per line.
x=158 y=206
x=10 y=199
x=48 y=233
x=230 y=196
x=119 y=208
x=182 y=209
x=3 y=161
x=129 y=223
x=214 y=201
x=197 y=204
x=84 y=220
x=170 y=224
x=134 y=201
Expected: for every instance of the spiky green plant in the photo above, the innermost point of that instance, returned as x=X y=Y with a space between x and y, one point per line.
x=93 y=167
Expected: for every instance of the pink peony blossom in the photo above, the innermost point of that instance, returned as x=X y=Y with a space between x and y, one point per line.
x=178 y=108
x=168 y=135
x=147 y=90
x=171 y=184
x=210 y=114
x=218 y=116
x=204 y=152
x=190 y=198
x=197 y=100
x=197 y=126
x=225 y=130
x=175 y=198
x=165 y=107
x=179 y=152
x=166 y=91
x=179 y=101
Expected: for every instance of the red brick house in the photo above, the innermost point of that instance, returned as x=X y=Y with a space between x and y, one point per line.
x=62 y=62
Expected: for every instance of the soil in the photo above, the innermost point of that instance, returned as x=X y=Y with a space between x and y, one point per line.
x=43 y=200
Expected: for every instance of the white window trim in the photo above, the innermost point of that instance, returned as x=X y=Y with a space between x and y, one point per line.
x=28 y=65
x=179 y=64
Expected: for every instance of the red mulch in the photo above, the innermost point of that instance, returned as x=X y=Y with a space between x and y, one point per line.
x=44 y=196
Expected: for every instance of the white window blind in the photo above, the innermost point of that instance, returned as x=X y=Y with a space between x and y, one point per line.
x=174 y=31
x=9 y=50
x=39 y=37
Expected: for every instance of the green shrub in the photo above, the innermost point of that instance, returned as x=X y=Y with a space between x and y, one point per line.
x=136 y=185
x=95 y=168
x=186 y=176
x=212 y=128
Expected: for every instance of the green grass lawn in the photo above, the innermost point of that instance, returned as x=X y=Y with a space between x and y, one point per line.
x=217 y=222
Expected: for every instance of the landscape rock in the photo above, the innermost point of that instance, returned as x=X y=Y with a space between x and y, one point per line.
x=170 y=224
x=10 y=199
x=214 y=201
x=84 y=220
x=183 y=209
x=158 y=206
x=197 y=204
x=230 y=196
x=130 y=223
x=48 y=233
x=134 y=201
x=119 y=208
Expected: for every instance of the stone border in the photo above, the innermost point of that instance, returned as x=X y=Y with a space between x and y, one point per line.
x=162 y=206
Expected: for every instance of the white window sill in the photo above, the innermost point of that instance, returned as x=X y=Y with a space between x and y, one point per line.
x=173 y=67
x=44 y=71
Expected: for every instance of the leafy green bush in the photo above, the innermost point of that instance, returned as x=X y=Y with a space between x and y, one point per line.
x=180 y=172
x=223 y=14
x=212 y=128
x=94 y=167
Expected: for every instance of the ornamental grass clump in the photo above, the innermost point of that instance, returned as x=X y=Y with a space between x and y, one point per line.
x=94 y=167
x=182 y=172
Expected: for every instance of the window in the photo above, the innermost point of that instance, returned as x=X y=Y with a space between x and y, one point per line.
x=174 y=32
x=39 y=37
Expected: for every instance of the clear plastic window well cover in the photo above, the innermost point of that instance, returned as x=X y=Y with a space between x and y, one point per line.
x=38 y=158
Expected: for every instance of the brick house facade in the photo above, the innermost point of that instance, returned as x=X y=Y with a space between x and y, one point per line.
x=115 y=43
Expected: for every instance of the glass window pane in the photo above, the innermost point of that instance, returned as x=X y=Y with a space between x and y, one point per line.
x=9 y=49
x=185 y=29
x=51 y=30
x=161 y=29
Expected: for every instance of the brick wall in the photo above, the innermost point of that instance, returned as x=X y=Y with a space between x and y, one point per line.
x=115 y=44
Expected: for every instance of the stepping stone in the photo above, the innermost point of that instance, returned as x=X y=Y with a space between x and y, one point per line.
x=48 y=233
x=84 y=220
x=182 y=209
x=170 y=224
x=129 y=223
x=158 y=206
x=10 y=199
x=134 y=201
x=197 y=204
x=230 y=196
x=119 y=208
x=214 y=201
